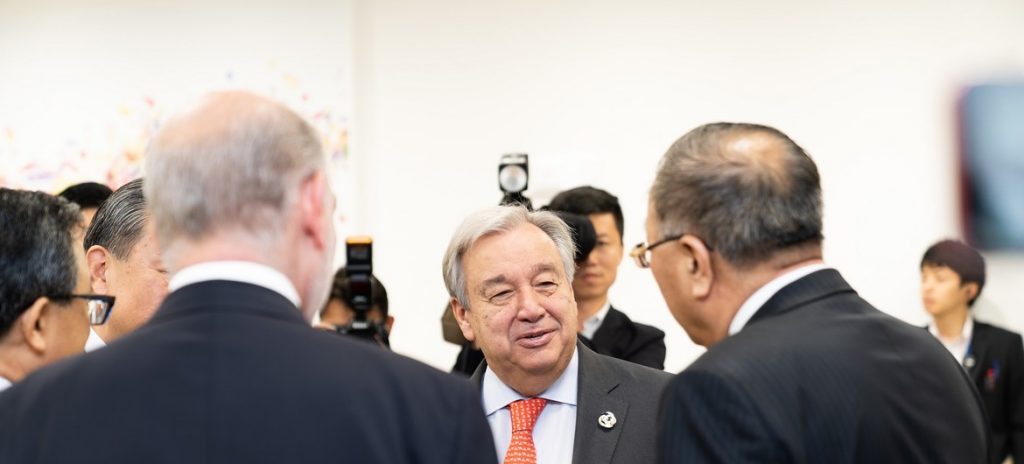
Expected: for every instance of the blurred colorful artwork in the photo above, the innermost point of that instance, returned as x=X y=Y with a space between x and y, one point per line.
x=110 y=149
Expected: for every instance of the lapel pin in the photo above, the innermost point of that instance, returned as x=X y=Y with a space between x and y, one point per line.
x=969 y=362
x=607 y=420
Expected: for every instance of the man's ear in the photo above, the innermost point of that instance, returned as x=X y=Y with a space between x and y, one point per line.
x=389 y=323
x=970 y=290
x=313 y=205
x=98 y=259
x=697 y=263
x=33 y=323
x=460 y=316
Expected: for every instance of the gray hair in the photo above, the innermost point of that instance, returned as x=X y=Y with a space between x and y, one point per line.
x=496 y=220
x=37 y=256
x=231 y=163
x=119 y=222
x=747 y=203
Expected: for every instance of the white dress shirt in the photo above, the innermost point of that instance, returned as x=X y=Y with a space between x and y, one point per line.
x=959 y=345
x=4 y=384
x=555 y=430
x=591 y=325
x=236 y=271
x=94 y=342
x=766 y=292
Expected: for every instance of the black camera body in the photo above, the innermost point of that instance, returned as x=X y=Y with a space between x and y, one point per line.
x=359 y=269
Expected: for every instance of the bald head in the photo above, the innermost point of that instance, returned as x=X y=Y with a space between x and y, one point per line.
x=747 y=190
x=230 y=162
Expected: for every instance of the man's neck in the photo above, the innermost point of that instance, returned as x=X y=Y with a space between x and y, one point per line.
x=951 y=323
x=12 y=371
x=586 y=309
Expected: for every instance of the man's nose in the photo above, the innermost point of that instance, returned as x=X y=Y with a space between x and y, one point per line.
x=529 y=307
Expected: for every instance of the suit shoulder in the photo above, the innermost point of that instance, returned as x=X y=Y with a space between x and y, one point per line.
x=640 y=373
x=995 y=332
x=648 y=331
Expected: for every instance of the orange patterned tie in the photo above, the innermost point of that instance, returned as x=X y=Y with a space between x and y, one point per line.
x=524 y=414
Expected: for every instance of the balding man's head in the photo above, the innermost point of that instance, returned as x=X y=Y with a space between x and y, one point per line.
x=747 y=190
x=228 y=163
x=240 y=177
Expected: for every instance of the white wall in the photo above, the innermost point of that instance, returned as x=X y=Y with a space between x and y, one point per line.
x=595 y=91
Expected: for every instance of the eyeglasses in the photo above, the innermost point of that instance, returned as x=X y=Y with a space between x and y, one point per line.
x=641 y=253
x=99 y=306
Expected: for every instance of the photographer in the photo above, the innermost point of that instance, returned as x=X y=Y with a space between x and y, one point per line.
x=338 y=314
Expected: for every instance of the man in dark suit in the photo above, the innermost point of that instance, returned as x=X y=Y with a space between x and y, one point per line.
x=548 y=399
x=608 y=330
x=229 y=369
x=952 y=276
x=799 y=369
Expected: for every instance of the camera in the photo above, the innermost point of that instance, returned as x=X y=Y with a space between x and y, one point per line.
x=514 y=179
x=355 y=288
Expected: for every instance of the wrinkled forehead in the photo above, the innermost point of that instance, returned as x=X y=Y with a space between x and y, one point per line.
x=522 y=252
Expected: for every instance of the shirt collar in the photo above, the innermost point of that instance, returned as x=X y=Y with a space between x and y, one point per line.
x=94 y=342
x=766 y=292
x=497 y=395
x=591 y=325
x=965 y=334
x=4 y=383
x=236 y=271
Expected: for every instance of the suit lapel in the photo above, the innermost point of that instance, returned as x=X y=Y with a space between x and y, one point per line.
x=977 y=354
x=595 y=443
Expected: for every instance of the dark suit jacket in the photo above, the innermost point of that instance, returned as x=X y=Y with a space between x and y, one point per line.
x=820 y=376
x=995 y=362
x=231 y=373
x=620 y=337
x=627 y=390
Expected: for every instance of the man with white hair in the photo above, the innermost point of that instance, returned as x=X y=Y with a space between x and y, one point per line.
x=548 y=398
x=229 y=369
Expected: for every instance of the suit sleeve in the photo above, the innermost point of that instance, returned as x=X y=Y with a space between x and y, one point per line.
x=1015 y=398
x=706 y=419
x=474 y=442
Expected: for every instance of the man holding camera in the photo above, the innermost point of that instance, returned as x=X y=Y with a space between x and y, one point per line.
x=610 y=331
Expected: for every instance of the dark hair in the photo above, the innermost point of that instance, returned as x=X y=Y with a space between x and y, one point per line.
x=747 y=203
x=340 y=289
x=119 y=222
x=86 y=194
x=965 y=261
x=588 y=200
x=36 y=254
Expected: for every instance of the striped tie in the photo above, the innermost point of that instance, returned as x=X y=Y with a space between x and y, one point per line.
x=524 y=414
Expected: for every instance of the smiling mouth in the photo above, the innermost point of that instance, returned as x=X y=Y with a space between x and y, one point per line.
x=536 y=339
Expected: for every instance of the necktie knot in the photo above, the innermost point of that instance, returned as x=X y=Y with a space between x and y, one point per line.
x=525 y=413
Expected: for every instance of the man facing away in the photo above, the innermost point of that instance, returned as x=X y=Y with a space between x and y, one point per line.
x=229 y=369
x=548 y=399
x=124 y=261
x=610 y=331
x=952 y=276
x=799 y=369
